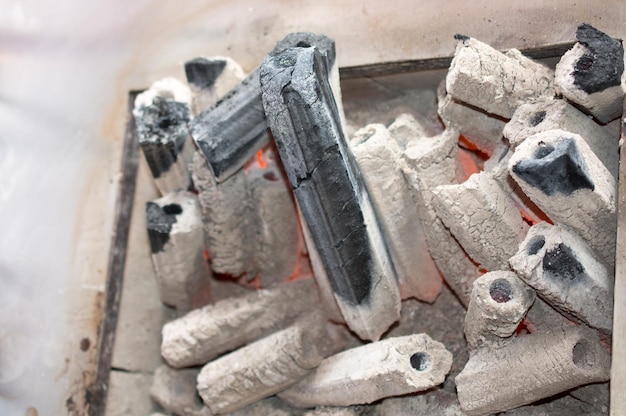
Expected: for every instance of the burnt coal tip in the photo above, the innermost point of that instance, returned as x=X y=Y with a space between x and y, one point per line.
x=160 y=221
x=537 y=118
x=555 y=169
x=535 y=245
x=603 y=66
x=501 y=291
x=460 y=37
x=560 y=263
x=203 y=72
x=420 y=361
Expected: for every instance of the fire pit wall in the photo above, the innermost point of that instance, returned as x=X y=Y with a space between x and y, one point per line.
x=489 y=174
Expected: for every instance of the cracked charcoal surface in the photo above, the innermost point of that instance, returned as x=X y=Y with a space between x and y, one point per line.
x=603 y=67
x=561 y=263
x=320 y=175
x=162 y=130
x=558 y=170
x=202 y=72
x=160 y=225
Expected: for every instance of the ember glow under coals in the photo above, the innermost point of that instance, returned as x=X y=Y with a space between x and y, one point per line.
x=476 y=219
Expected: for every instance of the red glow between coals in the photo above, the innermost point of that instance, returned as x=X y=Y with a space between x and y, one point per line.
x=260 y=160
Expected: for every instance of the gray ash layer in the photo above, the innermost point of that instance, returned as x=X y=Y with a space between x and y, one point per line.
x=202 y=72
x=561 y=263
x=603 y=67
x=555 y=169
x=162 y=131
x=159 y=223
x=304 y=120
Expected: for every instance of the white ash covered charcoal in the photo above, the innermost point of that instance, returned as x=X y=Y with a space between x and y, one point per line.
x=390 y=367
x=206 y=333
x=498 y=167
x=591 y=73
x=277 y=240
x=430 y=162
x=227 y=215
x=210 y=79
x=483 y=218
x=534 y=367
x=499 y=302
x=162 y=113
x=332 y=411
x=552 y=114
x=231 y=132
x=176 y=237
x=378 y=156
x=482 y=129
x=331 y=195
x=405 y=128
x=175 y=391
x=436 y=402
x=542 y=317
x=566 y=180
x=263 y=368
x=493 y=81
x=566 y=273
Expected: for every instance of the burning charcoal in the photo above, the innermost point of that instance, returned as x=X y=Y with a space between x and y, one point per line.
x=552 y=114
x=590 y=74
x=542 y=317
x=482 y=129
x=391 y=367
x=566 y=273
x=405 y=128
x=231 y=132
x=177 y=243
x=378 y=157
x=210 y=79
x=263 y=368
x=175 y=391
x=333 y=201
x=533 y=367
x=498 y=304
x=276 y=248
x=162 y=113
x=430 y=162
x=483 y=218
x=561 y=174
x=493 y=81
x=498 y=167
x=227 y=215
x=205 y=333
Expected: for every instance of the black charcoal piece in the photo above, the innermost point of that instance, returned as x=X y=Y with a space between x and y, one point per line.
x=162 y=131
x=159 y=222
x=232 y=131
x=561 y=263
x=460 y=37
x=603 y=66
x=555 y=169
x=202 y=72
x=304 y=120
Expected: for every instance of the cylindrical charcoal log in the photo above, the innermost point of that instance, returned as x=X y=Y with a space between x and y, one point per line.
x=391 y=367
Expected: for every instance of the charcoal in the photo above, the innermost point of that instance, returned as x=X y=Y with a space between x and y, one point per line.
x=335 y=205
x=232 y=131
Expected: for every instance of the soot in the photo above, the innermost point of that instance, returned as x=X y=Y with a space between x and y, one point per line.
x=603 y=66
x=555 y=169
x=561 y=263
x=160 y=221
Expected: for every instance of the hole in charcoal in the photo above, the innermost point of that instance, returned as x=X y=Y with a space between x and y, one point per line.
x=420 y=361
x=583 y=355
x=535 y=245
x=85 y=344
x=270 y=176
x=173 y=209
x=303 y=44
x=584 y=63
x=501 y=291
x=543 y=150
x=537 y=118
